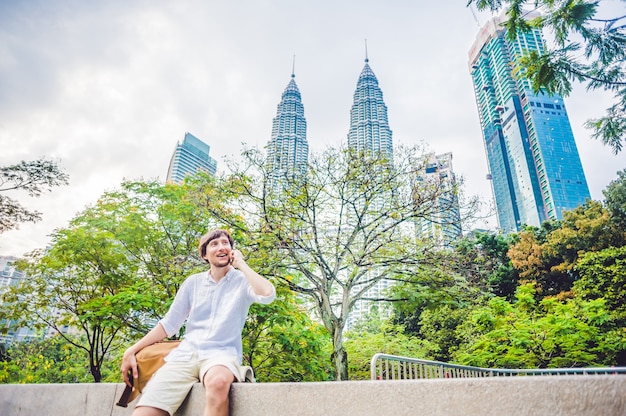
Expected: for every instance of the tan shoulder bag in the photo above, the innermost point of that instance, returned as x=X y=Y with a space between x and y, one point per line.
x=149 y=360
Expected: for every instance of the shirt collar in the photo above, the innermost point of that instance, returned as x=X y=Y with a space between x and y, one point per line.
x=227 y=276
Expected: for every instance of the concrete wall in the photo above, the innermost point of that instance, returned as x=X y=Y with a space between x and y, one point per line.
x=553 y=395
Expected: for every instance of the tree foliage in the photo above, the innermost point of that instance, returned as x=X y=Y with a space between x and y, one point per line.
x=433 y=303
x=482 y=258
x=586 y=49
x=73 y=288
x=114 y=270
x=438 y=326
x=615 y=202
x=546 y=334
x=283 y=344
x=387 y=338
x=156 y=230
x=603 y=276
x=548 y=255
x=49 y=360
x=571 y=268
x=32 y=177
x=111 y=272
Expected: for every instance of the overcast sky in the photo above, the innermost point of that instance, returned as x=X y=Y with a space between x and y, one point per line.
x=107 y=88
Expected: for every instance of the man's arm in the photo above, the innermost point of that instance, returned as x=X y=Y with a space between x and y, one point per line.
x=129 y=362
x=260 y=284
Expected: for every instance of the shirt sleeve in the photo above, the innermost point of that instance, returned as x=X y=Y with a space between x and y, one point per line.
x=261 y=299
x=179 y=310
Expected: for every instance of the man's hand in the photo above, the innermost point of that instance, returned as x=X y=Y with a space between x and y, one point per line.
x=260 y=285
x=236 y=259
x=129 y=363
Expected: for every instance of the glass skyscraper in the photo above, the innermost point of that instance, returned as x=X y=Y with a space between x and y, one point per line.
x=369 y=132
x=533 y=160
x=190 y=157
x=444 y=226
x=369 y=127
x=288 y=149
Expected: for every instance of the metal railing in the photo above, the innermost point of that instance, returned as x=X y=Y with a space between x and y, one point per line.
x=393 y=367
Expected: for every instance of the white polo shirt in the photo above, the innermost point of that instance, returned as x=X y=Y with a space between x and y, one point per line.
x=215 y=312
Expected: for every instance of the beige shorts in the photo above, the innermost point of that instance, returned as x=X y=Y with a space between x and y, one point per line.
x=169 y=386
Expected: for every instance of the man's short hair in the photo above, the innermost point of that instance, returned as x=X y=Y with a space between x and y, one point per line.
x=210 y=236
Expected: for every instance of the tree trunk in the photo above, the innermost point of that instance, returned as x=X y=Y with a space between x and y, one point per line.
x=340 y=361
x=95 y=371
x=339 y=356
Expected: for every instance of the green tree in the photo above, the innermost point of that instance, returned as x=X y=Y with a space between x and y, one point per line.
x=438 y=326
x=363 y=343
x=49 y=360
x=340 y=228
x=615 y=202
x=548 y=334
x=587 y=228
x=115 y=268
x=32 y=177
x=484 y=262
x=282 y=344
x=603 y=276
x=157 y=229
x=433 y=303
x=73 y=286
x=587 y=49
x=548 y=255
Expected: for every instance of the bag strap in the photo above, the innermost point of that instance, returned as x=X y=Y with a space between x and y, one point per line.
x=124 y=398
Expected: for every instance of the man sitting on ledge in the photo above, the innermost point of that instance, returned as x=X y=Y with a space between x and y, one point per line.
x=215 y=305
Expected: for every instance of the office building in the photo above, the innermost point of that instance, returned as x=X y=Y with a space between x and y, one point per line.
x=288 y=149
x=443 y=226
x=11 y=276
x=534 y=166
x=369 y=126
x=369 y=131
x=190 y=157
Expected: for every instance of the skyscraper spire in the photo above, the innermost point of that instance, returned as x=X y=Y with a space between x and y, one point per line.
x=288 y=149
x=369 y=127
x=369 y=134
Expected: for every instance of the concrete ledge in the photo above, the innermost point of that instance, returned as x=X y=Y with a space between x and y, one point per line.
x=549 y=395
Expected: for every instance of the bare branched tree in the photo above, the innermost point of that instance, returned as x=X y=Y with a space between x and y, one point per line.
x=337 y=231
x=32 y=177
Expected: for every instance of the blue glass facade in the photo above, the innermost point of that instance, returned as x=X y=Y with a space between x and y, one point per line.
x=534 y=164
x=288 y=149
x=190 y=157
x=369 y=127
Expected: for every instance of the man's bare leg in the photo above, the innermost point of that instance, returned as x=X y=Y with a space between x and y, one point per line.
x=149 y=411
x=217 y=383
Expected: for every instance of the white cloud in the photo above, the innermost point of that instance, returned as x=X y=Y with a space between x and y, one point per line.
x=108 y=88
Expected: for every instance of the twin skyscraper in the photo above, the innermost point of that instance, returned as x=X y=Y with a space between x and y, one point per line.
x=288 y=149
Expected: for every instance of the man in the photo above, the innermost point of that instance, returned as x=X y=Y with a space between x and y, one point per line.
x=214 y=305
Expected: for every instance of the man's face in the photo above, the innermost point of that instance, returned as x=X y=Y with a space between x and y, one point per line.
x=218 y=252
